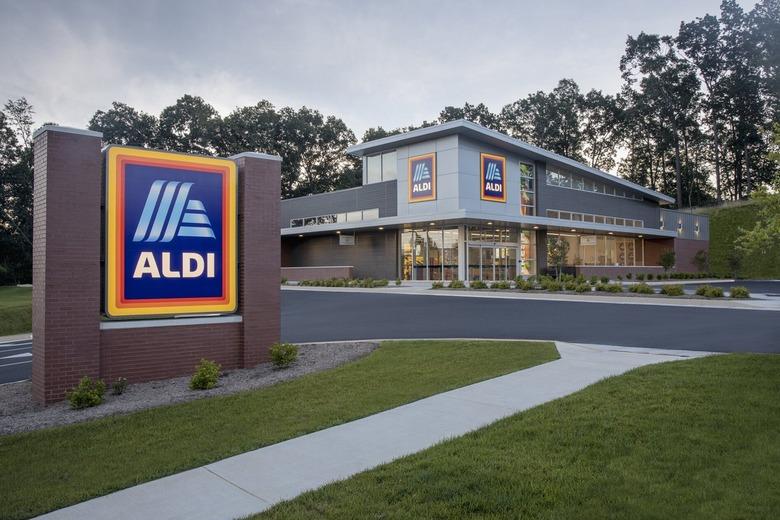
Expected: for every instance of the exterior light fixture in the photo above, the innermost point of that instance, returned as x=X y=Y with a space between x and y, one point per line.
x=536 y=227
x=381 y=228
x=640 y=236
x=433 y=223
x=338 y=232
x=611 y=233
x=300 y=236
x=489 y=223
x=573 y=230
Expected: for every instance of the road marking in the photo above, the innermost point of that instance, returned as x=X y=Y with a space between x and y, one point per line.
x=12 y=364
x=13 y=356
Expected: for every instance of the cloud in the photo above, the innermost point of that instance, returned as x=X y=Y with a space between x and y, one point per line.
x=371 y=63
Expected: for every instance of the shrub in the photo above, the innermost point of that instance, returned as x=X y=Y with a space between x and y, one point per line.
x=571 y=285
x=667 y=260
x=619 y=278
x=437 y=285
x=628 y=276
x=206 y=375
x=701 y=260
x=605 y=279
x=457 y=284
x=672 y=290
x=283 y=354
x=709 y=291
x=739 y=291
x=284 y=280
x=583 y=287
x=641 y=288
x=398 y=281
x=524 y=285
x=594 y=280
x=381 y=283
x=613 y=288
x=119 y=386
x=87 y=393
x=552 y=286
x=478 y=284
x=503 y=285
x=649 y=276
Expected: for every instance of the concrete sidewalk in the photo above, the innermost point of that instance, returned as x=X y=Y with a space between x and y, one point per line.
x=755 y=303
x=254 y=481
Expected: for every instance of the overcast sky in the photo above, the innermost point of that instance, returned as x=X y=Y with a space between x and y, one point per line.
x=371 y=63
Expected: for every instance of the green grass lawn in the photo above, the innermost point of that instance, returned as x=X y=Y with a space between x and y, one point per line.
x=691 y=439
x=53 y=468
x=15 y=310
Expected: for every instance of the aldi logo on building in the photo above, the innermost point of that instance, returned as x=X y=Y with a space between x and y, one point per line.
x=422 y=178
x=170 y=233
x=493 y=177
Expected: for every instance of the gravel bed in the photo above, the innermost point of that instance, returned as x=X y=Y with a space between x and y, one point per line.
x=18 y=412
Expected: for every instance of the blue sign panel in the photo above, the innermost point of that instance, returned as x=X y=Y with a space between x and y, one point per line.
x=493 y=177
x=170 y=233
x=422 y=178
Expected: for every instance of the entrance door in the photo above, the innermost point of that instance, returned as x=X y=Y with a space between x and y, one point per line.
x=511 y=263
x=488 y=257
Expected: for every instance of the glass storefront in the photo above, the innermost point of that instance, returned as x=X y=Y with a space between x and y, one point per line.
x=500 y=252
x=429 y=254
x=602 y=250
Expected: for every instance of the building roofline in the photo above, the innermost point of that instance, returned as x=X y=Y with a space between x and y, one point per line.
x=469 y=129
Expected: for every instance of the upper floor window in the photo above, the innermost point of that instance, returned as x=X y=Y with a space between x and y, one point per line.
x=381 y=167
x=564 y=179
x=527 y=189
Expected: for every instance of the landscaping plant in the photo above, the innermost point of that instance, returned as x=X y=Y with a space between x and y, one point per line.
x=478 y=284
x=437 y=285
x=87 y=393
x=283 y=354
x=119 y=386
x=641 y=288
x=672 y=290
x=206 y=375
x=738 y=291
x=456 y=284
x=709 y=291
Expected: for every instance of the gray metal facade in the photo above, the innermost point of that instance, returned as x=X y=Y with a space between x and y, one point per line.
x=687 y=225
x=381 y=195
x=374 y=255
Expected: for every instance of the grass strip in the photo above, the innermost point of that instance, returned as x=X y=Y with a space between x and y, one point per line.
x=50 y=469
x=692 y=439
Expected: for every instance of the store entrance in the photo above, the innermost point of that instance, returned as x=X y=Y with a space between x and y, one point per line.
x=493 y=263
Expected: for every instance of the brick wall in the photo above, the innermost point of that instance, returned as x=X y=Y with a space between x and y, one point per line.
x=68 y=342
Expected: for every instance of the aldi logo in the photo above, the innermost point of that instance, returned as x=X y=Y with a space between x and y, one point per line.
x=422 y=178
x=493 y=177
x=170 y=233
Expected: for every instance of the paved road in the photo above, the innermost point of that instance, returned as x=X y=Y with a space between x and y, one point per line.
x=15 y=360
x=324 y=316
x=321 y=316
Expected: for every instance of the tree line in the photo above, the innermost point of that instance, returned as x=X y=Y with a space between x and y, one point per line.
x=693 y=119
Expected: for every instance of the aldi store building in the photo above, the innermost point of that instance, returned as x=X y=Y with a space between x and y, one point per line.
x=460 y=201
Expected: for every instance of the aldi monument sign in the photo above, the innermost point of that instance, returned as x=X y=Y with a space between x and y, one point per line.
x=170 y=234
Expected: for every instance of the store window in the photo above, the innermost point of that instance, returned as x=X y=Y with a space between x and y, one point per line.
x=429 y=254
x=527 y=189
x=382 y=167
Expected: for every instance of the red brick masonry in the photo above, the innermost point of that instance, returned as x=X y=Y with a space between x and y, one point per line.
x=68 y=341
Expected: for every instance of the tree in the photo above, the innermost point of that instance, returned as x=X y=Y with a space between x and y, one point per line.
x=667 y=83
x=122 y=124
x=550 y=121
x=557 y=251
x=249 y=129
x=601 y=118
x=191 y=125
x=479 y=114
x=16 y=192
x=667 y=259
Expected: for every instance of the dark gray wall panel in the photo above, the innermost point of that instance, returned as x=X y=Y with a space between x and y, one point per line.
x=382 y=195
x=375 y=253
x=554 y=197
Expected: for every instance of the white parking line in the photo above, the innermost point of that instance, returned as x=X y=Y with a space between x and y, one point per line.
x=13 y=364
x=13 y=356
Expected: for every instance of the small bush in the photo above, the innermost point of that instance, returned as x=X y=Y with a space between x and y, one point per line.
x=437 y=285
x=594 y=280
x=613 y=288
x=284 y=280
x=628 y=276
x=619 y=278
x=524 y=285
x=87 y=393
x=582 y=288
x=457 y=284
x=552 y=286
x=641 y=288
x=709 y=291
x=605 y=279
x=571 y=285
x=206 y=375
x=119 y=386
x=283 y=354
x=649 y=276
x=478 y=284
x=641 y=277
x=739 y=291
x=381 y=283
x=672 y=290
x=398 y=281
x=503 y=285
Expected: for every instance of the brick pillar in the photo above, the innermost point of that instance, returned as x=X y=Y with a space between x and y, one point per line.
x=259 y=253
x=66 y=260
